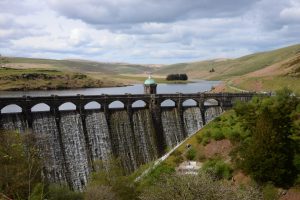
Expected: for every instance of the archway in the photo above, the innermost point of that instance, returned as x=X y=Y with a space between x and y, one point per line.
x=116 y=104
x=67 y=106
x=211 y=102
x=189 y=102
x=40 y=107
x=139 y=104
x=12 y=108
x=168 y=103
x=92 y=105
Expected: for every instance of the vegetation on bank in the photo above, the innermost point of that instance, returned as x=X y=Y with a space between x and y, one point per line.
x=265 y=139
x=42 y=79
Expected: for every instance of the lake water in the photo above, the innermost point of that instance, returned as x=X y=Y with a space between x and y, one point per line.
x=197 y=86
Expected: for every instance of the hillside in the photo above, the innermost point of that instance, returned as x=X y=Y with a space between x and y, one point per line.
x=256 y=72
x=225 y=68
x=84 y=66
x=45 y=79
x=264 y=71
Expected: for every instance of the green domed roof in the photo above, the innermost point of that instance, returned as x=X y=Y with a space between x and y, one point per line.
x=149 y=81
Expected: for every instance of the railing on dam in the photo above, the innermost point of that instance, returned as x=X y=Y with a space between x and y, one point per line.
x=72 y=140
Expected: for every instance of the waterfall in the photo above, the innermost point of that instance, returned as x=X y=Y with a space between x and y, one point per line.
x=192 y=120
x=171 y=126
x=212 y=112
x=98 y=134
x=45 y=130
x=13 y=122
x=75 y=150
x=123 y=139
x=144 y=134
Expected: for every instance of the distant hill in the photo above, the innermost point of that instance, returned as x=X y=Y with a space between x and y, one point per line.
x=262 y=71
x=78 y=65
x=232 y=67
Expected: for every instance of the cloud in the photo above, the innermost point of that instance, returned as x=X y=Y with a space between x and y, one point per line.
x=139 y=11
x=140 y=31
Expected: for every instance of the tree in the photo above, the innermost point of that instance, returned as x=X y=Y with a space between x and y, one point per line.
x=171 y=77
x=267 y=155
x=110 y=175
x=200 y=187
x=20 y=164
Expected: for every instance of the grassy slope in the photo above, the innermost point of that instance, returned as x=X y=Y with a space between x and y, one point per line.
x=274 y=69
x=79 y=65
x=232 y=67
x=42 y=79
x=261 y=71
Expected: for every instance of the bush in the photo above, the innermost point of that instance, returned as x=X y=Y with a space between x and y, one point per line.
x=218 y=169
x=157 y=173
x=268 y=156
x=205 y=141
x=200 y=187
x=199 y=138
x=57 y=192
x=270 y=192
x=191 y=154
x=177 y=156
x=217 y=134
x=100 y=192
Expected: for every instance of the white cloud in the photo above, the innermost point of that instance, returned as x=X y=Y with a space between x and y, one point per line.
x=153 y=31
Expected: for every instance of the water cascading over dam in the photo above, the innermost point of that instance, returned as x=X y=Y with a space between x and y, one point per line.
x=71 y=141
x=133 y=141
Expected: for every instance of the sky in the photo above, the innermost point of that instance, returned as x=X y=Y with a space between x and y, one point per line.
x=146 y=31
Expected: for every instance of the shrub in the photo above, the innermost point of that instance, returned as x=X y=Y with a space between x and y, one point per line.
x=199 y=138
x=57 y=192
x=217 y=134
x=268 y=156
x=201 y=187
x=218 y=169
x=191 y=154
x=205 y=141
x=270 y=192
x=100 y=192
x=177 y=156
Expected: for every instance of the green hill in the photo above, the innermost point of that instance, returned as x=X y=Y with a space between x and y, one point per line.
x=226 y=68
x=78 y=65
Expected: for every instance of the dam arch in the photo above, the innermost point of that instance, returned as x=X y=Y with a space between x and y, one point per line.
x=211 y=102
x=189 y=102
x=67 y=106
x=168 y=103
x=40 y=107
x=92 y=105
x=139 y=104
x=11 y=108
x=116 y=104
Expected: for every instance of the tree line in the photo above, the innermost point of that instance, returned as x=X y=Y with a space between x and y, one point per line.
x=172 y=77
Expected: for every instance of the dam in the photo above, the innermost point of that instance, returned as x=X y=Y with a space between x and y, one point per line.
x=72 y=140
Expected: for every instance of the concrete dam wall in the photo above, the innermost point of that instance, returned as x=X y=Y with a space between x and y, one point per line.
x=71 y=141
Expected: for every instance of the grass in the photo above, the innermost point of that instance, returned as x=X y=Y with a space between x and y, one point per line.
x=270 y=84
x=225 y=69
x=232 y=67
x=80 y=65
x=41 y=79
